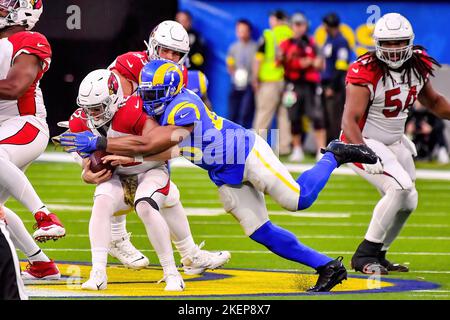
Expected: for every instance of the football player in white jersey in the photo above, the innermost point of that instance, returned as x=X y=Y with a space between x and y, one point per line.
x=381 y=87
x=24 y=58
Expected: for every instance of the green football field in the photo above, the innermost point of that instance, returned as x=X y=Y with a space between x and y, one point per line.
x=335 y=225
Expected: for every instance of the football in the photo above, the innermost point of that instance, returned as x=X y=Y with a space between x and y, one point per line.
x=97 y=164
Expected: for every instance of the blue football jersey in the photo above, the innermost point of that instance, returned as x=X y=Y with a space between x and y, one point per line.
x=216 y=144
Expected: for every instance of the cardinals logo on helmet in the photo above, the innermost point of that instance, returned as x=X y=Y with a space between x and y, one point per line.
x=37 y=4
x=113 y=84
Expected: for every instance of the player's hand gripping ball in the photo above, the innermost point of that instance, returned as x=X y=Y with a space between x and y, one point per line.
x=97 y=162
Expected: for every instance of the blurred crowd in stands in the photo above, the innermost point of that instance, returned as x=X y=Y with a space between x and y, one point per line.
x=286 y=81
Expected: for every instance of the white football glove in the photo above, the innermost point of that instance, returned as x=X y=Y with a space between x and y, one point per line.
x=376 y=168
x=409 y=145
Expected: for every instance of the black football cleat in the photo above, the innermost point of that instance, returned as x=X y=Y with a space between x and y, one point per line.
x=394 y=267
x=366 y=260
x=330 y=275
x=346 y=152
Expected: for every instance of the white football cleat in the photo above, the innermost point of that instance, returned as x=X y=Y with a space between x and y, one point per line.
x=174 y=282
x=126 y=253
x=97 y=281
x=202 y=260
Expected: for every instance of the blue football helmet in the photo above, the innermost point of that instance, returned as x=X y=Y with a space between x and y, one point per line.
x=159 y=82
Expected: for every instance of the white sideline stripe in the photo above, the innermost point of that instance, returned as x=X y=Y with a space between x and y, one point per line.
x=183 y=163
x=240 y=236
x=327 y=224
x=307 y=224
x=268 y=252
x=216 y=212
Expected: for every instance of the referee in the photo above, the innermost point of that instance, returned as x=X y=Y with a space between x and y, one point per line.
x=11 y=284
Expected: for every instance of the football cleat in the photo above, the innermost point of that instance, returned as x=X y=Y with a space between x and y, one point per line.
x=345 y=152
x=40 y=270
x=174 y=282
x=395 y=267
x=126 y=253
x=366 y=260
x=202 y=260
x=97 y=281
x=48 y=227
x=330 y=275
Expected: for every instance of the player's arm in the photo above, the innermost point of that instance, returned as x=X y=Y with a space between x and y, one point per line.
x=168 y=154
x=94 y=178
x=20 y=77
x=434 y=101
x=356 y=101
x=154 y=141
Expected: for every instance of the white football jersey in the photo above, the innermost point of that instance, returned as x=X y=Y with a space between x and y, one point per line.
x=31 y=103
x=390 y=100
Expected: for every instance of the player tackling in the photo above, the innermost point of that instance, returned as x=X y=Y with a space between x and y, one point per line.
x=238 y=161
x=382 y=86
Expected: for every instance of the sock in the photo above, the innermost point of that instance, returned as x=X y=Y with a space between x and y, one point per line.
x=186 y=247
x=42 y=209
x=22 y=239
x=18 y=185
x=286 y=245
x=118 y=227
x=167 y=263
x=178 y=223
x=314 y=180
x=39 y=256
x=99 y=258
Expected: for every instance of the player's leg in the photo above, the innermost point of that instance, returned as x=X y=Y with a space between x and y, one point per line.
x=194 y=259
x=266 y=172
x=121 y=247
x=153 y=188
x=403 y=153
x=40 y=267
x=397 y=188
x=108 y=199
x=247 y=205
x=20 y=144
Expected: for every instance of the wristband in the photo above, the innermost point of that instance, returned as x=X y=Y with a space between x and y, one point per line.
x=102 y=143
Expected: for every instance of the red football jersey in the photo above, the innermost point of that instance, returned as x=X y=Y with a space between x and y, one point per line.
x=130 y=64
x=129 y=119
x=390 y=100
x=31 y=102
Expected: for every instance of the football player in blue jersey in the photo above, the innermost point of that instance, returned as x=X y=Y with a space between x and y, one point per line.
x=238 y=161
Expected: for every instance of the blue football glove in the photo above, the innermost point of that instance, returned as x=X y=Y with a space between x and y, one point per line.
x=84 y=143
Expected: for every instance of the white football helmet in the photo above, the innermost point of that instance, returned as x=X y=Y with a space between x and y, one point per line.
x=20 y=13
x=171 y=35
x=100 y=96
x=393 y=27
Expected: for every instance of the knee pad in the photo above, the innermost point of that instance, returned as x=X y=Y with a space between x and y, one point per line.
x=228 y=199
x=246 y=205
x=173 y=197
x=411 y=201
